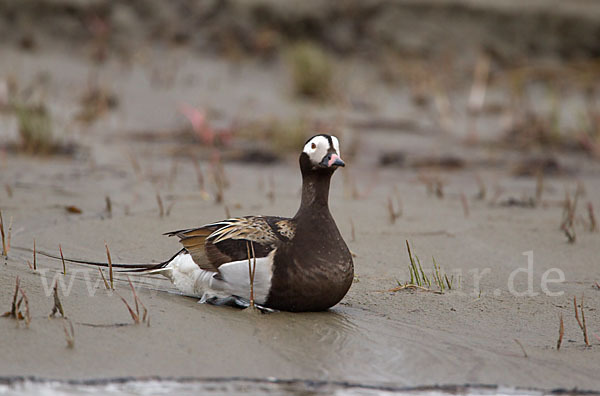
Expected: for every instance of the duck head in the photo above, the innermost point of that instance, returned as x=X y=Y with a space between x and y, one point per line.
x=321 y=153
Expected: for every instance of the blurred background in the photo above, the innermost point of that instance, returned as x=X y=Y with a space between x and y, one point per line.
x=256 y=78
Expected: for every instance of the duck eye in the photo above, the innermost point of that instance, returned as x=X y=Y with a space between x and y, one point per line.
x=313 y=146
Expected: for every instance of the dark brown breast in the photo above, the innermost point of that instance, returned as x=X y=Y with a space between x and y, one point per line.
x=314 y=271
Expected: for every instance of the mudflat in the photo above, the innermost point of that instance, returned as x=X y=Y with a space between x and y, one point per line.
x=134 y=175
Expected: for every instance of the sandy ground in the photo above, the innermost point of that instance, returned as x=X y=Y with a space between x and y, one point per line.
x=468 y=335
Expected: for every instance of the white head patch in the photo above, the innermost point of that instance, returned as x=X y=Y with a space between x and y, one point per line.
x=318 y=146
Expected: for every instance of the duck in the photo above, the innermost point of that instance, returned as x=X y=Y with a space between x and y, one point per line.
x=298 y=264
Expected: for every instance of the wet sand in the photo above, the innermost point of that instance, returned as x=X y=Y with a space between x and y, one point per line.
x=374 y=336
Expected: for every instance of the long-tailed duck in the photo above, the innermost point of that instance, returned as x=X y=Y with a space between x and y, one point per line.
x=301 y=263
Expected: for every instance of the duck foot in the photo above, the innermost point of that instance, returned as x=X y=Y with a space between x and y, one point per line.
x=233 y=301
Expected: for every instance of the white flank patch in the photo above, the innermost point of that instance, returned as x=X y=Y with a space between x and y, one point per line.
x=235 y=280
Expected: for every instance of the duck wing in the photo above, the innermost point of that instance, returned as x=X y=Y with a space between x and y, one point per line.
x=215 y=244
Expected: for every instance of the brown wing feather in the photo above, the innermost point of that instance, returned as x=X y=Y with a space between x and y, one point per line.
x=215 y=244
x=194 y=242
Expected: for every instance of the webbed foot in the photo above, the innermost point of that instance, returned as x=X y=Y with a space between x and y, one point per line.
x=232 y=301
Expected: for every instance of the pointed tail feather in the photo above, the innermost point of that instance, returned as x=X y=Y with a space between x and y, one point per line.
x=145 y=268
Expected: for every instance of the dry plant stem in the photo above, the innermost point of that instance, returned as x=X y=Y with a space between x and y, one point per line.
x=136 y=318
x=497 y=194
x=522 y=348
x=27 y=315
x=4 y=251
x=577 y=312
x=13 y=310
x=135 y=298
x=57 y=304
x=271 y=192
x=145 y=316
x=136 y=315
x=137 y=169
x=581 y=322
x=568 y=209
x=227 y=212
x=465 y=204
x=574 y=207
x=593 y=223
x=62 y=259
x=409 y=286
x=571 y=236
x=161 y=210
x=34 y=257
x=173 y=174
x=568 y=217
x=352 y=230
x=539 y=186
x=482 y=190
x=69 y=333
x=104 y=279
x=110 y=268
x=9 y=234
x=219 y=183
x=199 y=175
x=108 y=206
x=561 y=333
x=480 y=83
x=393 y=213
x=439 y=189
x=585 y=334
x=169 y=208
x=251 y=270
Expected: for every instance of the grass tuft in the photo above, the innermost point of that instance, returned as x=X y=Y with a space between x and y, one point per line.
x=419 y=278
x=312 y=71
x=283 y=135
x=15 y=310
x=35 y=129
x=145 y=318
